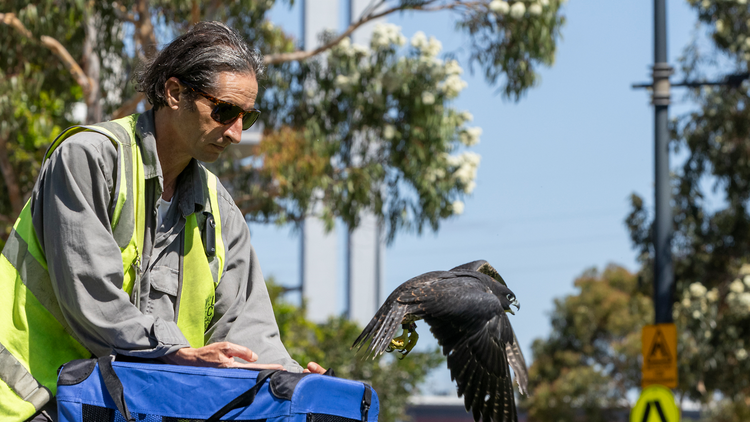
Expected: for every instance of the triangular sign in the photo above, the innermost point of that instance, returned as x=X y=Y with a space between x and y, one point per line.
x=659 y=350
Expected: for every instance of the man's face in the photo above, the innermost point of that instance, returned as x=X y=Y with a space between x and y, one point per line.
x=203 y=137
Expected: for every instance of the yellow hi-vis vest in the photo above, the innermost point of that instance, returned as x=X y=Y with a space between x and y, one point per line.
x=34 y=336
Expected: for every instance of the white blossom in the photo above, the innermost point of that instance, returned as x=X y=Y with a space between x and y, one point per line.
x=385 y=35
x=712 y=295
x=457 y=207
x=452 y=86
x=389 y=132
x=544 y=3
x=517 y=10
x=696 y=314
x=719 y=26
x=453 y=68
x=419 y=40
x=736 y=286
x=535 y=9
x=741 y=354
x=741 y=1
x=500 y=7
x=469 y=187
x=360 y=49
x=466 y=116
x=746 y=280
x=428 y=98
x=697 y=290
x=433 y=47
x=470 y=136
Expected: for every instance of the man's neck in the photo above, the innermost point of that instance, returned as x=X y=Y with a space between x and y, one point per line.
x=172 y=160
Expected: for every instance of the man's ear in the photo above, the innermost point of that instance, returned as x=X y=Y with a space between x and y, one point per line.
x=172 y=92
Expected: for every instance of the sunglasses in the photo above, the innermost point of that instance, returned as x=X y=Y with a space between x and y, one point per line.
x=225 y=112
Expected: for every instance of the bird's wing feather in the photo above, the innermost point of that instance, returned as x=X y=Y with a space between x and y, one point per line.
x=518 y=363
x=479 y=365
x=402 y=302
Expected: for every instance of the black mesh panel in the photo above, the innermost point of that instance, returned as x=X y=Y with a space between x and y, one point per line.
x=322 y=417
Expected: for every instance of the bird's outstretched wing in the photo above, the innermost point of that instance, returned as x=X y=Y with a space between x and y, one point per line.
x=403 y=302
x=474 y=331
x=512 y=350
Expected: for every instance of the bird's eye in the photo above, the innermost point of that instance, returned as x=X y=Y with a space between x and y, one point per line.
x=510 y=297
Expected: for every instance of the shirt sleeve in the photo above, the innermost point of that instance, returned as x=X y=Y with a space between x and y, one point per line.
x=243 y=312
x=70 y=210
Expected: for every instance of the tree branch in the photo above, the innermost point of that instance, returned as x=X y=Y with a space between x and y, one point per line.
x=366 y=17
x=144 y=29
x=55 y=47
x=11 y=183
x=129 y=106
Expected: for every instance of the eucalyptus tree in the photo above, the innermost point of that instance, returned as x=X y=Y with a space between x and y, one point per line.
x=323 y=109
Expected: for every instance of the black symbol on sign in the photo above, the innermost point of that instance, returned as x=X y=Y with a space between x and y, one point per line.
x=659 y=352
x=657 y=405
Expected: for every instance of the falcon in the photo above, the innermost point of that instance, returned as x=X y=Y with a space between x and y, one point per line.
x=466 y=309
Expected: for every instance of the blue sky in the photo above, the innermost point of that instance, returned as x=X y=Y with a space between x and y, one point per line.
x=557 y=167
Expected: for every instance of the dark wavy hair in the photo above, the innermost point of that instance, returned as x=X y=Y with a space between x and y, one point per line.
x=197 y=57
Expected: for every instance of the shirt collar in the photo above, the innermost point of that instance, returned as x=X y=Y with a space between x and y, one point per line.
x=191 y=191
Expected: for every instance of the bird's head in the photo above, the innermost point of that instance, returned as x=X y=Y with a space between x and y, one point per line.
x=512 y=300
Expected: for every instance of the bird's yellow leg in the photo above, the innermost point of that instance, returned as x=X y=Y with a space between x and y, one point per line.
x=397 y=343
x=413 y=337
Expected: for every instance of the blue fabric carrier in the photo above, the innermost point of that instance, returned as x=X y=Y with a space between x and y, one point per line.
x=93 y=391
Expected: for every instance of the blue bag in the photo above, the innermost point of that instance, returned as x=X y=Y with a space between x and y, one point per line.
x=90 y=390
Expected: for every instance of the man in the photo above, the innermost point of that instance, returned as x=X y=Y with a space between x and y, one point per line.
x=128 y=244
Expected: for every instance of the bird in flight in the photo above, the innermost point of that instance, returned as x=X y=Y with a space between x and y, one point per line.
x=466 y=309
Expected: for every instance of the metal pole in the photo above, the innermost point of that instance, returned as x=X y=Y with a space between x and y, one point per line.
x=663 y=273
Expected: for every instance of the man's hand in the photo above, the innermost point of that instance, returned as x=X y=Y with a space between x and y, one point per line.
x=314 y=368
x=217 y=355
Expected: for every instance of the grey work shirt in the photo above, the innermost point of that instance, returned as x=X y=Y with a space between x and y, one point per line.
x=71 y=205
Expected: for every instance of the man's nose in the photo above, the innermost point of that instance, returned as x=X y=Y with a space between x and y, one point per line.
x=234 y=131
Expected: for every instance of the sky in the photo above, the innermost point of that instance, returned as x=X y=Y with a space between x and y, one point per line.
x=558 y=167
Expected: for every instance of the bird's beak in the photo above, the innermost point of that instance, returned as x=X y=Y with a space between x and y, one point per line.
x=515 y=303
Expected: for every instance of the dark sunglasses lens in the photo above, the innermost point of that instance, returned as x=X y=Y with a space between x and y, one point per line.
x=249 y=119
x=226 y=113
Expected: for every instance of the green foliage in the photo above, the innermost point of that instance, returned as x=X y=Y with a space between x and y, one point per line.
x=369 y=129
x=366 y=129
x=329 y=344
x=590 y=360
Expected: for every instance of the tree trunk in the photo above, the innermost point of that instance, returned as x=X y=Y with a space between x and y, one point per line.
x=11 y=183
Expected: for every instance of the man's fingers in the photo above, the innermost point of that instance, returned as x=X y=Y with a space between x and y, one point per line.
x=315 y=368
x=242 y=352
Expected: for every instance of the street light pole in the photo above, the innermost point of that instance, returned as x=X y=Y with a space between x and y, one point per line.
x=663 y=272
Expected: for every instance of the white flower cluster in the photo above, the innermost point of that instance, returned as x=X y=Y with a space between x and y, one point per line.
x=470 y=136
x=386 y=34
x=346 y=48
x=466 y=166
x=458 y=207
x=428 y=47
x=428 y=98
x=453 y=68
x=344 y=82
x=738 y=297
x=389 y=132
x=518 y=9
x=452 y=86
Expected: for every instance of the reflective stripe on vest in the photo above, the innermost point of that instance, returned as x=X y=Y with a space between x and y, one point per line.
x=34 y=337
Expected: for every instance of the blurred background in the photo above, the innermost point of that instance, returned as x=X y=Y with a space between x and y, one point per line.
x=401 y=137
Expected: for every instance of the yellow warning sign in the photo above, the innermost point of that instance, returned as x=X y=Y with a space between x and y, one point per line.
x=659 y=347
x=656 y=404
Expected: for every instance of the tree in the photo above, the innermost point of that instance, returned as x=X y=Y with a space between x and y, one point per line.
x=711 y=245
x=591 y=359
x=329 y=344
x=349 y=128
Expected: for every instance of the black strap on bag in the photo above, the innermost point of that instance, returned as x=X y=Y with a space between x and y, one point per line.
x=113 y=386
x=245 y=399
x=366 y=402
